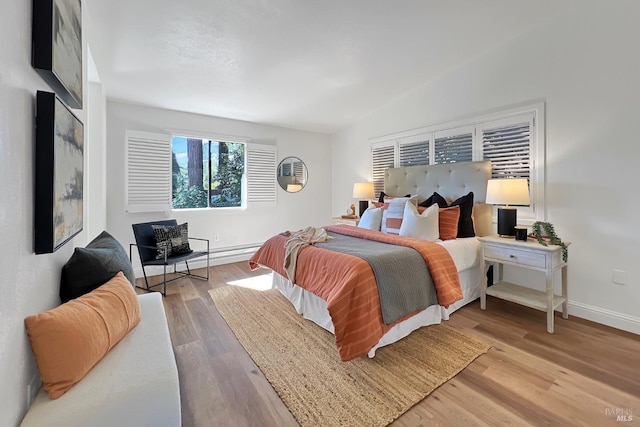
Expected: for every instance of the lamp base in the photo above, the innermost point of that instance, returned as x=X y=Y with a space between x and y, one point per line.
x=364 y=204
x=507 y=219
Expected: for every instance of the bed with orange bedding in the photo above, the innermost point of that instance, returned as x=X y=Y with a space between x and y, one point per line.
x=348 y=285
x=338 y=291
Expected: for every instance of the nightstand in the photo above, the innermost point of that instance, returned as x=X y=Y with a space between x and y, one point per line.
x=348 y=221
x=500 y=251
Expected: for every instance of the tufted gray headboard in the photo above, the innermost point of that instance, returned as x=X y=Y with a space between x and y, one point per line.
x=451 y=181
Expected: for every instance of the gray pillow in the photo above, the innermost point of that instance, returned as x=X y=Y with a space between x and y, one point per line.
x=93 y=266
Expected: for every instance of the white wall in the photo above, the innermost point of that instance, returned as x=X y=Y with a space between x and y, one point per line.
x=311 y=206
x=96 y=160
x=585 y=67
x=29 y=284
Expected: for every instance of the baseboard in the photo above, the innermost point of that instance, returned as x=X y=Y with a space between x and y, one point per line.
x=219 y=257
x=614 y=319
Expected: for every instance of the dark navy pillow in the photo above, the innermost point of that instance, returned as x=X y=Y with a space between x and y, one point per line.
x=383 y=195
x=465 y=222
x=93 y=266
x=434 y=198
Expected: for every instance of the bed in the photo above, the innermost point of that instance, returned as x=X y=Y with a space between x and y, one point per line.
x=452 y=181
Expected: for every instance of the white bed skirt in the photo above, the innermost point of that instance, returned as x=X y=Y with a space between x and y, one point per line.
x=314 y=308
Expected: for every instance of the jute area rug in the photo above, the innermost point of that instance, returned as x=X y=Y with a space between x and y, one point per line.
x=301 y=361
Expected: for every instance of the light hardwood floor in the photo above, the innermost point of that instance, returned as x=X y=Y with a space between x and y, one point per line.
x=584 y=374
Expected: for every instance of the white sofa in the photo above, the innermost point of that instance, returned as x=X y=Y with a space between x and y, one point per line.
x=135 y=384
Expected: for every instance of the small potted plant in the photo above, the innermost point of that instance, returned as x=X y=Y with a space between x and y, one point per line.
x=544 y=233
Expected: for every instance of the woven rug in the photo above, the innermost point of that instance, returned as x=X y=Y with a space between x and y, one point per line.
x=301 y=362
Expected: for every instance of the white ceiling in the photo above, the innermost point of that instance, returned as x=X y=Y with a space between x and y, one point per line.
x=315 y=65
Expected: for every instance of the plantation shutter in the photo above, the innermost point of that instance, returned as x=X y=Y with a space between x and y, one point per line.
x=414 y=150
x=507 y=143
x=148 y=172
x=298 y=171
x=454 y=145
x=383 y=156
x=261 y=173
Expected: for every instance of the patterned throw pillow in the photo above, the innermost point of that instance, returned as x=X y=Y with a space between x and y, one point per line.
x=392 y=213
x=174 y=240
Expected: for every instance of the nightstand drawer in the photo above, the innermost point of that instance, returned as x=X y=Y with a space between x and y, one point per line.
x=522 y=257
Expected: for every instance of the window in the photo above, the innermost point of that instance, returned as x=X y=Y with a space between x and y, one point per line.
x=512 y=139
x=453 y=145
x=206 y=173
x=382 y=157
x=181 y=172
x=507 y=143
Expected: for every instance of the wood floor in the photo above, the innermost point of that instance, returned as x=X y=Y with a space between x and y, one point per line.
x=584 y=374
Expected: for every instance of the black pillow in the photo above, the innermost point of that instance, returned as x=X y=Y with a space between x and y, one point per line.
x=434 y=198
x=383 y=195
x=174 y=239
x=465 y=222
x=93 y=266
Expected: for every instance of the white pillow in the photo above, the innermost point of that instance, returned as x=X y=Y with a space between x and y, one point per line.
x=392 y=213
x=371 y=219
x=420 y=225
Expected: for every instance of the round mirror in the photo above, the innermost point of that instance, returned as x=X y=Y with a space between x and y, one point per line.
x=292 y=174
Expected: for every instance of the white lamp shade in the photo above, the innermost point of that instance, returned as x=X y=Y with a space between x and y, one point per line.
x=363 y=190
x=508 y=191
x=294 y=188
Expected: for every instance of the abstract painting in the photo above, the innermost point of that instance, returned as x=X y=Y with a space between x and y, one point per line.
x=59 y=174
x=57 y=47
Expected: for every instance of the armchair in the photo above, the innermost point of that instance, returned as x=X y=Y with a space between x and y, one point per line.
x=148 y=253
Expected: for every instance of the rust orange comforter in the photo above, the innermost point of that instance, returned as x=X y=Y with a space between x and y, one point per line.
x=347 y=284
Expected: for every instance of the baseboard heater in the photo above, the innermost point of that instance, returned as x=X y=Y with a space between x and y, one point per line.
x=234 y=250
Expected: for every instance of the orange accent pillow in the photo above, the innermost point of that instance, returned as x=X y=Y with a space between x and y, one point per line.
x=69 y=340
x=448 y=222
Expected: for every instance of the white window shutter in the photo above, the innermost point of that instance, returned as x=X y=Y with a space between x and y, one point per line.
x=414 y=150
x=507 y=143
x=454 y=145
x=261 y=169
x=148 y=172
x=383 y=156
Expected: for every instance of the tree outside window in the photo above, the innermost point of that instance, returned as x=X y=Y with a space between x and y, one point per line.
x=206 y=173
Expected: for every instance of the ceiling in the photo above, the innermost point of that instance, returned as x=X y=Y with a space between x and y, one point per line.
x=303 y=64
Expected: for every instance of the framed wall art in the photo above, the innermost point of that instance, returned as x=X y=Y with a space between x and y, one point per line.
x=57 y=47
x=58 y=175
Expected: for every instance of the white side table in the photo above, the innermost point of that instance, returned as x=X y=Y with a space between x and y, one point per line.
x=500 y=251
x=348 y=221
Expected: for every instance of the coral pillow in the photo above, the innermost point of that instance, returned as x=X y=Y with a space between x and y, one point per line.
x=69 y=340
x=448 y=222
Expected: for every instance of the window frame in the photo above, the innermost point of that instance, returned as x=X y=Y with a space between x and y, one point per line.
x=160 y=183
x=212 y=137
x=534 y=112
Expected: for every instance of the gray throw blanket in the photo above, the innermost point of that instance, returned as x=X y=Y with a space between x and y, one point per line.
x=404 y=282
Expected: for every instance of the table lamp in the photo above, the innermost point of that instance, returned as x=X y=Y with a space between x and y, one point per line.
x=363 y=190
x=507 y=191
